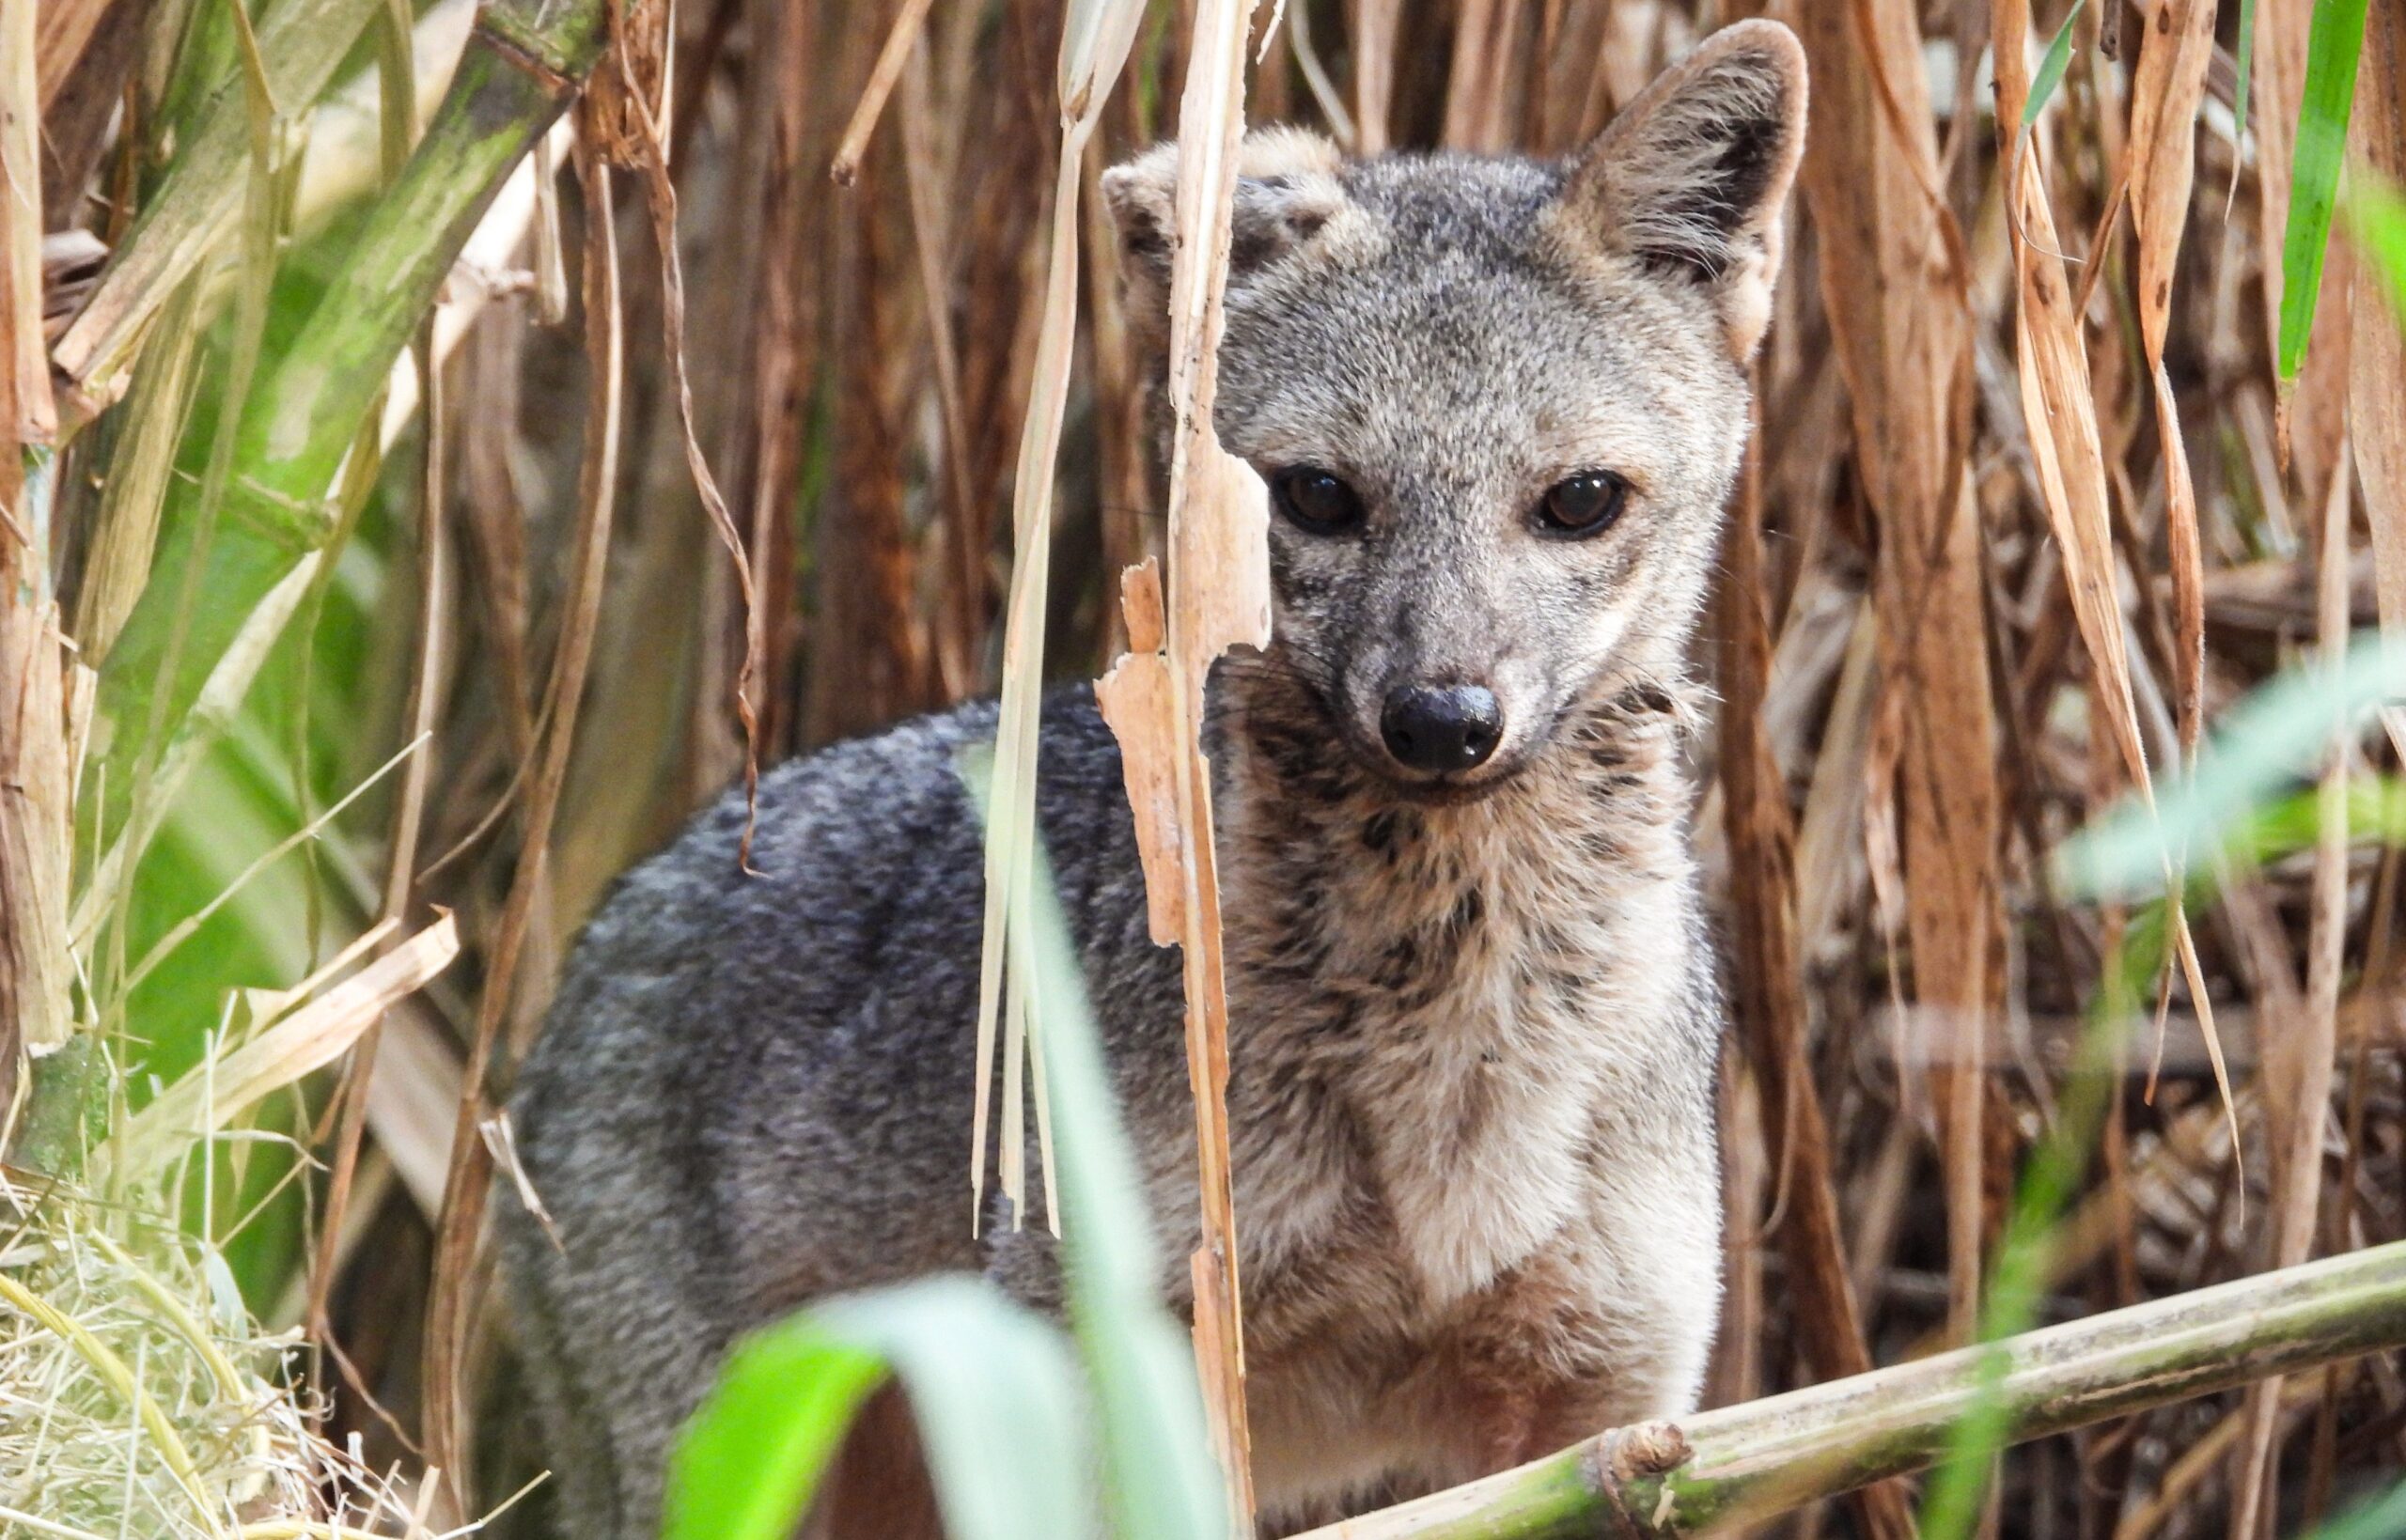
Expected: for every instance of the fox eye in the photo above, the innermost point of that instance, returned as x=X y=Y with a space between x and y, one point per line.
x=1586 y=503
x=1315 y=500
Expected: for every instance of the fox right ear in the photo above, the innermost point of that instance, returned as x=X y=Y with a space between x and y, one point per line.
x=1286 y=189
x=1691 y=176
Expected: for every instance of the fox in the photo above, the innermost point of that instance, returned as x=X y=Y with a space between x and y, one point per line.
x=1475 y=1013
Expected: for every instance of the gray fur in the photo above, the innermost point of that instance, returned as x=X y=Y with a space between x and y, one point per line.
x=1474 y=1016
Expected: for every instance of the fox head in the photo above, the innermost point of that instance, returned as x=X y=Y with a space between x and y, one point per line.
x=1499 y=402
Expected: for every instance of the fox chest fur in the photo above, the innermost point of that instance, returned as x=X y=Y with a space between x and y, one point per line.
x=1470 y=1100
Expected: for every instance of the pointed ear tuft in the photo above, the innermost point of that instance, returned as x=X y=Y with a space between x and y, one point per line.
x=1691 y=176
x=1286 y=190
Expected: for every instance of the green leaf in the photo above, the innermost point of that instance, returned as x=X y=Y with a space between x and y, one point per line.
x=1000 y=1401
x=1163 y=1485
x=991 y=1385
x=2247 y=62
x=2052 y=66
x=2377 y=1519
x=2332 y=48
x=2377 y=219
x=2274 y=737
x=2048 y=1183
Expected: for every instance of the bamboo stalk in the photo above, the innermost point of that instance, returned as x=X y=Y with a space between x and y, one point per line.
x=201 y=197
x=1748 y=1462
x=521 y=69
x=35 y=788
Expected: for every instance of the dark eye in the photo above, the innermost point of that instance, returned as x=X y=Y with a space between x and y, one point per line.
x=1316 y=500
x=1585 y=503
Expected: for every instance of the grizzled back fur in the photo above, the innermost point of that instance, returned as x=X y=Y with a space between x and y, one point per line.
x=1499 y=402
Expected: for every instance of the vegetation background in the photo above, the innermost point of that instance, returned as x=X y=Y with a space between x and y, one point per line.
x=334 y=691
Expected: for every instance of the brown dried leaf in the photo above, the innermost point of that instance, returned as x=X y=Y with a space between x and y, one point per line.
x=2164 y=97
x=2377 y=351
x=1141 y=708
x=1219 y=597
x=1890 y=282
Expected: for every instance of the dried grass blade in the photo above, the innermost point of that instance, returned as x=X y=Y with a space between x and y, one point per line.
x=140 y=471
x=35 y=794
x=1769 y=1002
x=2059 y=404
x=184 y=929
x=899 y=39
x=32 y=416
x=651 y=147
x=1890 y=283
x=401 y=867
x=1009 y=833
x=1219 y=597
x=1096 y=36
x=2165 y=94
x=308 y=1037
x=1377 y=31
x=2377 y=347
x=465 y=1185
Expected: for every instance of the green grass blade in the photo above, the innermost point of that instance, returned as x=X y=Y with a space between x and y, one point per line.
x=1156 y=1450
x=2268 y=739
x=2051 y=67
x=2376 y=1518
x=2048 y=1184
x=1163 y=1483
x=2377 y=219
x=991 y=1385
x=2247 y=62
x=2332 y=50
x=999 y=1399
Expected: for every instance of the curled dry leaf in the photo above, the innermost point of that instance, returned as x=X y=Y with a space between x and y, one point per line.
x=1219 y=516
x=1141 y=708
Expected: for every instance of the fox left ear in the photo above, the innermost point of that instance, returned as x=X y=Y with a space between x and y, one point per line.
x=1690 y=176
x=1287 y=191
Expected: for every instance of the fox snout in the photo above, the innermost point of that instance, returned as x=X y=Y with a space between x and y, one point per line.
x=1441 y=729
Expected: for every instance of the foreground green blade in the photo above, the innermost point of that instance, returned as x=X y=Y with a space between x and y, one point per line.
x=2332 y=49
x=991 y=1384
x=1002 y=1403
x=2268 y=740
x=2377 y=218
x=2051 y=68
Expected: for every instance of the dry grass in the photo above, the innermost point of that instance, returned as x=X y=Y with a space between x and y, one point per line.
x=2027 y=511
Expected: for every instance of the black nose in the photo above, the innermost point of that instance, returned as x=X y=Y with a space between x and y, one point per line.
x=1452 y=727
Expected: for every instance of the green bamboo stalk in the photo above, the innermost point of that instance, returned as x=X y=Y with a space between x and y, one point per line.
x=1745 y=1463
x=524 y=62
x=198 y=201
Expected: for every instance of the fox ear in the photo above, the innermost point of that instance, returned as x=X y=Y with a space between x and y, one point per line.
x=1690 y=176
x=1286 y=189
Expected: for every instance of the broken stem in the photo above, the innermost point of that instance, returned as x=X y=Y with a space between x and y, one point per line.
x=1747 y=1462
